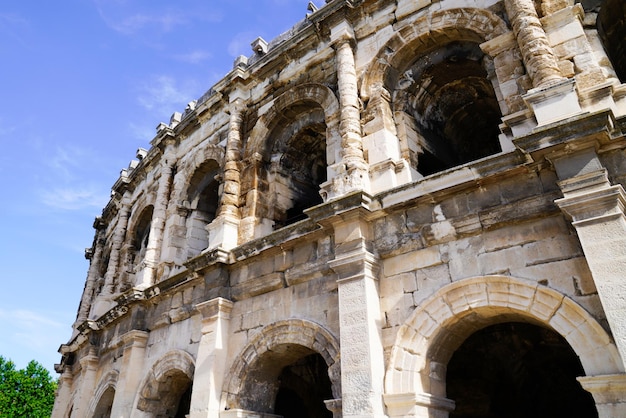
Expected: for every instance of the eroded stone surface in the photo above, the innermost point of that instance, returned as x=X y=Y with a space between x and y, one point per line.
x=324 y=229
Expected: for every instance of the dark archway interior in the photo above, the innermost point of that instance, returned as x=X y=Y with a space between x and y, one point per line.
x=304 y=385
x=203 y=191
x=298 y=163
x=184 y=403
x=174 y=396
x=103 y=409
x=289 y=380
x=202 y=199
x=453 y=103
x=142 y=235
x=612 y=29
x=515 y=370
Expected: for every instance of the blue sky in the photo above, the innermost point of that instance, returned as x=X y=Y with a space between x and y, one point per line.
x=83 y=84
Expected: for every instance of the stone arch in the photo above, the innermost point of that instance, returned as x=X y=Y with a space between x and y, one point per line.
x=439 y=326
x=301 y=123
x=293 y=334
x=428 y=83
x=102 y=394
x=137 y=236
x=436 y=28
x=305 y=93
x=190 y=166
x=166 y=382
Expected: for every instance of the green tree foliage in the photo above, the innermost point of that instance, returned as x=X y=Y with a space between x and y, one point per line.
x=25 y=393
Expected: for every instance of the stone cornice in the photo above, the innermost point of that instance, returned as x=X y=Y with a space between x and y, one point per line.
x=575 y=132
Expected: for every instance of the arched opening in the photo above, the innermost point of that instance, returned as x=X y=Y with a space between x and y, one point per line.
x=297 y=163
x=140 y=238
x=169 y=397
x=451 y=112
x=304 y=385
x=290 y=380
x=202 y=202
x=103 y=409
x=517 y=369
x=612 y=29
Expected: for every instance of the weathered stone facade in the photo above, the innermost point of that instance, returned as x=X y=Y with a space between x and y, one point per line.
x=398 y=208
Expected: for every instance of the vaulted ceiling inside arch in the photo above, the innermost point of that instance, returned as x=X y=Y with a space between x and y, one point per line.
x=453 y=102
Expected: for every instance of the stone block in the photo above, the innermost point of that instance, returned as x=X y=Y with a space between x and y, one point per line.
x=571 y=48
x=565 y=32
x=411 y=261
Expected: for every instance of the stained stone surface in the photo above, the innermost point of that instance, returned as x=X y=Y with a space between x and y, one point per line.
x=361 y=208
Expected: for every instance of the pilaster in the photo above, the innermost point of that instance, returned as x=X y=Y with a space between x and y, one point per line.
x=104 y=301
x=211 y=361
x=131 y=372
x=155 y=240
x=87 y=384
x=63 y=398
x=224 y=230
x=538 y=56
x=95 y=261
x=362 y=360
x=596 y=209
x=353 y=175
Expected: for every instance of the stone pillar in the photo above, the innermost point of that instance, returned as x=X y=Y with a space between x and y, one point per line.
x=229 y=204
x=157 y=226
x=353 y=161
x=388 y=155
x=509 y=72
x=211 y=362
x=87 y=384
x=596 y=209
x=131 y=372
x=255 y=223
x=224 y=230
x=63 y=398
x=609 y=393
x=537 y=53
x=93 y=274
x=362 y=360
x=104 y=301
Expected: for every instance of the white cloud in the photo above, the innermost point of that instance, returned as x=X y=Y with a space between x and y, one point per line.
x=193 y=57
x=130 y=25
x=129 y=18
x=29 y=335
x=64 y=160
x=25 y=319
x=240 y=44
x=67 y=198
x=164 y=94
x=12 y=26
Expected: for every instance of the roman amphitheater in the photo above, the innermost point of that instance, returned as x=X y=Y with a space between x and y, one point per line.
x=398 y=208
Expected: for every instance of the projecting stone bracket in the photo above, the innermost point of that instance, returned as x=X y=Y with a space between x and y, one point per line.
x=408 y=404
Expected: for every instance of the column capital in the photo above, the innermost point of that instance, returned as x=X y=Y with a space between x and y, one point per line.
x=89 y=361
x=342 y=33
x=404 y=404
x=214 y=308
x=136 y=338
x=237 y=99
x=595 y=205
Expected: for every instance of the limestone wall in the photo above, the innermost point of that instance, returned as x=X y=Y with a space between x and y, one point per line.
x=331 y=221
